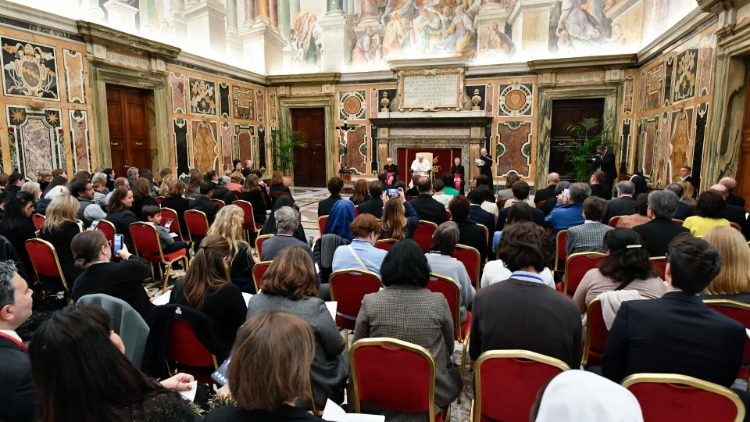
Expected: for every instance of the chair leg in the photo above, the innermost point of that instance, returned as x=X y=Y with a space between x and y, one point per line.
x=165 y=276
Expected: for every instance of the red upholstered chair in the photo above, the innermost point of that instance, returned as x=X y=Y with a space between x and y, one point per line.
x=423 y=234
x=356 y=210
x=673 y=397
x=159 y=199
x=385 y=244
x=38 y=220
x=394 y=375
x=219 y=203
x=677 y=221
x=197 y=224
x=259 y=243
x=660 y=265
x=576 y=266
x=186 y=350
x=486 y=232
x=507 y=382
x=596 y=335
x=561 y=253
x=449 y=215
x=147 y=246
x=322 y=222
x=170 y=214
x=613 y=221
x=739 y=312
x=106 y=227
x=248 y=222
x=259 y=270
x=46 y=265
x=450 y=289
x=471 y=259
x=348 y=288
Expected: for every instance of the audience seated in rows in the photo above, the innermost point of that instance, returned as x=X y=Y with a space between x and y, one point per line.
x=683 y=210
x=59 y=229
x=709 y=213
x=88 y=211
x=340 y=220
x=334 y=185
x=520 y=190
x=507 y=193
x=441 y=261
x=489 y=204
x=206 y=287
x=479 y=215
x=734 y=213
x=640 y=216
x=522 y=312
x=278 y=189
x=406 y=310
x=731 y=184
x=677 y=333
x=203 y=202
x=626 y=267
x=660 y=230
x=733 y=280
x=120 y=215
x=287 y=221
x=449 y=182
x=173 y=191
x=142 y=196
x=589 y=236
x=228 y=224
x=569 y=209
x=289 y=285
x=361 y=254
x=151 y=214
x=542 y=195
x=219 y=190
x=471 y=234
x=399 y=218
x=427 y=208
x=252 y=193
x=374 y=205
x=270 y=226
x=438 y=188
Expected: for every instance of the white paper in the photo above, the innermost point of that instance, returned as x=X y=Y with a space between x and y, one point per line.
x=247 y=297
x=162 y=299
x=335 y=413
x=190 y=394
x=332 y=309
x=747 y=332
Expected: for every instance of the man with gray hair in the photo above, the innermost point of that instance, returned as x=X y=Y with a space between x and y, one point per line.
x=733 y=198
x=287 y=221
x=657 y=233
x=624 y=203
x=132 y=174
x=569 y=210
x=16 y=387
x=733 y=213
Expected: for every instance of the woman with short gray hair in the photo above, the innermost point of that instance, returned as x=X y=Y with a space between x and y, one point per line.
x=441 y=261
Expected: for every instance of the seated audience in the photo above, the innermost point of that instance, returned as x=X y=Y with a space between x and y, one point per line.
x=374 y=205
x=236 y=179
x=203 y=202
x=660 y=230
x=287 y=221
x=81 y=374
x=688 y=194
x=219 y=190
x=439 y=195
x=733 y=280
x=142 y=195
x=361 y=192
x=44 y=177
x=480 y=216
x=471 y=233
x=639 y=217
x=708 y=214
x=173 y=199
x=252 y=193
x=624 y=204
x=520 y=191
x=270 y=370
x=99 y=183
x=132 y=175
x=99 y=274
x=522 y=312
x=640 y=182
x=88 y=211
x=507 y=193
x=120 y=181
x=340 y=220
x=32 y=188
x=399 y=218
x=731 y=184
x=15 y=181
x=569 y=210
x=413 y=191
x=120 y=214
x=193 y=188
x=451 y=186
x=59 y=229
x=289 y=286
x=406 y=310
x=600 y=187
x=556 y=198
x=228 y=224
x=17 y=391
x=152 y=215
x=441 y=261
x=426 y=207
x=361 y=253
x=17 y=227
x=206 y=287
x=41 y=205
x=626 y=266
x=734 y=213
x=536 y=214
x=334 y=185
x=589 y=236
x=541 y=195
x=683 y=210
x=278 y=188
x=677 y=334
x=270 y=225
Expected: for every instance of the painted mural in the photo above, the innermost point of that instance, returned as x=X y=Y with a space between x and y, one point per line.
x=202 y=96
x=79 y=136
x=205 y=145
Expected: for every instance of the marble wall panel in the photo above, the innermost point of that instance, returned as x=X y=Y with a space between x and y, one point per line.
x=668 y=81
x=242 y=102
x=29 y=69
x=177 y=85
x=685 y=79
x=245 y=135
x=706 y=64
x=38 y=140
x=226 y=146
x=353 y=149
x=205 y=145
x=513 y=149
x=647 y=144
x=74 y=80
x=627 y=102
x=352 y=105
x=202 y=96
x=79 y=137
x=660 y=173
x=654 y=84
x=224 y=100
x=515 y=99
x=681 y=141
x=260 y=104
x=180 y=129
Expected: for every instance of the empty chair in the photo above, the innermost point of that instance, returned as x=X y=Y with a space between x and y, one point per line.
x=197 y=225
x=576 y=266
x=47 y=267
x=38 y=220
x=423 y=234
x=259 y=270
x=385 y=244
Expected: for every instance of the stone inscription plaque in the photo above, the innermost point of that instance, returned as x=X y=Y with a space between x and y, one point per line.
x=438 y=89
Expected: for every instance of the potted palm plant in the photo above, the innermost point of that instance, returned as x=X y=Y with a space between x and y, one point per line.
x=283 y=142
x=587 y=135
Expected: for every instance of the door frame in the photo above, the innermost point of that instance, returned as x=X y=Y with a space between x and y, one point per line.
x=328 y=105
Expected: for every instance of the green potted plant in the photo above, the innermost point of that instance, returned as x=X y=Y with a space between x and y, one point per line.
x=283 y=142
x=586 y=138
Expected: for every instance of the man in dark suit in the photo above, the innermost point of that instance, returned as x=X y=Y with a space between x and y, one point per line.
x=541 y=195
x=203 y=202
x=687 y=177
x=520 y=194
x=335 y=184
x=17 y=393
x=219 y=191
x=479 y=215
x=522 y=312
x=374 y=205
x=624 y=203
x=486 y=168
x=426 y=206
x=683 y=210
x=604 y=160
x=657 y=233
x=733 y=213
x=677 y=333
x=732 y=198
x=470 y=233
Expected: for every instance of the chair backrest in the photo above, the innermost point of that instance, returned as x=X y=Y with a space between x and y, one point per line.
x=449 y=215
x=197 y=223
x=408 y=371
x=736 y=226
x=185 y=349
x=613 y=221
x=348 y=288
x=219 y=203
x=259 y=270
x=576 y=266
x=486 y=232
x=507 y=382
x=596 y=335
x=660 y=265
x=44 y=259
x=561 y=253
x=449 y=288
x=108 y=228
x=677 y=221
x=38 y=220
x=423 y=234
x=471 y=259
x=738 y=311
x=145 y=239
x=170 y=214
x=248 y=220
x=259 y=243
x=673 y=397
x=385 y=244
x=322 y=222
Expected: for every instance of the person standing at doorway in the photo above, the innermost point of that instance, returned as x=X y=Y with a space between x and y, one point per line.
x=485 y=166
x=459 y=175
x=604 y=160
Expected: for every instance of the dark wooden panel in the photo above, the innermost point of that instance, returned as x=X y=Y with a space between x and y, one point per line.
x=310 y=159
x=564 y=113
x=128 y=121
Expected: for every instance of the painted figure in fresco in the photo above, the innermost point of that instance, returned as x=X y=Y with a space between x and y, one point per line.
x=429 y=28
x=576 y=26
x=499 y=42
x=396 y=35
x=460 y=34
x=203 y=147
x=305 y=38
x=679 y=143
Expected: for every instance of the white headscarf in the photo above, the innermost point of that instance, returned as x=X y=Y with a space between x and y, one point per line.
x=576 y=395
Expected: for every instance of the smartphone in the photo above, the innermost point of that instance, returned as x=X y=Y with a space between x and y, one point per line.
x=566 y=192
x=220 y=375
x=168 y=224
x=118 y=244
x=392 y=193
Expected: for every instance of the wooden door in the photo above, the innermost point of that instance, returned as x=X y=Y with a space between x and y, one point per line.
x=310 y=158
x=128 y=128
x=564 y=113
x=743 y=165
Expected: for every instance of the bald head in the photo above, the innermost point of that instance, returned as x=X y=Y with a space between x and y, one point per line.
x=720 y=189
x=553 y=179
x=729 y=182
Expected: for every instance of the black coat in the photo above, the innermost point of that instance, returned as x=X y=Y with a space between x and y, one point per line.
x=179 y=205
x=676 y=334
x=623 y=205
x=601 y=191
x=122 y=221
x=204 y=204
x=736 y=214
x=429 y=209
x=258 y=201
x=471 y=234
x=657 y=233
x=324 y=206
x=536 y=214
x=683 y=211
x=17 y=393
x=606 y=163
x=372 y=206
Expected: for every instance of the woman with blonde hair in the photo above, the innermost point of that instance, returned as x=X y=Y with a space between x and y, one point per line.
x=59 y=229
x=733 y=281
x=228 y=224
x=206 y=288
x=32 y=188
x=399 y=218
x=289 y=286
